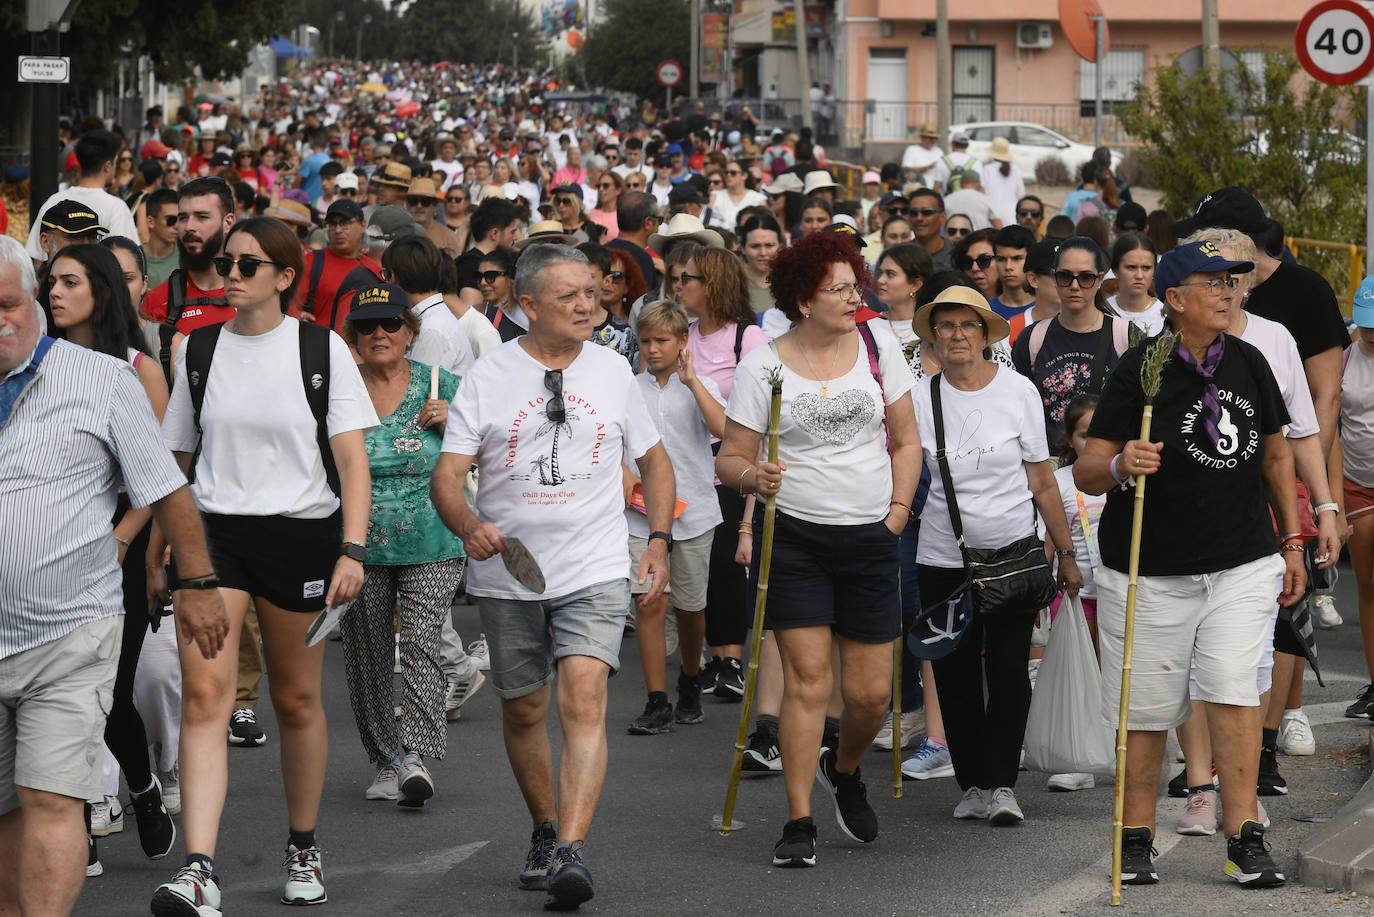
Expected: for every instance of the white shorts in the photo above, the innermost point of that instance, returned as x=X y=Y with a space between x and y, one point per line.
x=689 y=568
x=1219 y=621
x=1265 y=676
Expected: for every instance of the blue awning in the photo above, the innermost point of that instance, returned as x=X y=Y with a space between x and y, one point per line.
x=283 y=48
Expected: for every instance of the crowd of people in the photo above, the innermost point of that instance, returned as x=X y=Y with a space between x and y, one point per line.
x=464 y=328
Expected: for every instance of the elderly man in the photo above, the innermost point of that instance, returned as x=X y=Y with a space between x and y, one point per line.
x=74 y=424
x=550 y=419
x=920 y=159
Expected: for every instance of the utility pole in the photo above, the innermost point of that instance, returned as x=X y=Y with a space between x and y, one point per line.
x=694 y=59
x=944 y=99
x=1211 y=36
x=803 y=65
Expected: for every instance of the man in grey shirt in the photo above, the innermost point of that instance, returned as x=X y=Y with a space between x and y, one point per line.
x=74 y=425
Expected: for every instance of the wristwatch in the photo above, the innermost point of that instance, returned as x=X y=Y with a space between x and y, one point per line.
x=354 y=551
x=1065 y=552
x=199 y=582
x=667 y=539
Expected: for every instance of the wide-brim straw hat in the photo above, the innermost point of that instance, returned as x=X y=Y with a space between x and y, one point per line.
x=685 y=226
x=546 y=231
x=1000 y=149
x=998 y=327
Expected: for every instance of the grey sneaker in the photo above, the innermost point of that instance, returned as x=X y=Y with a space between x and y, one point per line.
x=535 y=876
x=1200 y=818
x=973 y=805
x=1003 y=808
x=414 y=782
x=570 y=882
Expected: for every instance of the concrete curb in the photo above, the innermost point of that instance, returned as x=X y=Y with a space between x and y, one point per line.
x=1340 y=854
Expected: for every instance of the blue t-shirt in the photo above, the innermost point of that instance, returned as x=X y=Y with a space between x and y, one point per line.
x=310 y=175
x=1007 y=311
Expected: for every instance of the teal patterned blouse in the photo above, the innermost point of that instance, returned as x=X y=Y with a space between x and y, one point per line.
x=405 y=527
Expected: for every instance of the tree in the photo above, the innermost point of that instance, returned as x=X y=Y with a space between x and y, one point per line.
x=624 y=51
x=473 y=32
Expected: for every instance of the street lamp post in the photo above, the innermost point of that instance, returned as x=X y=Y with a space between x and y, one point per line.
x=358 y=53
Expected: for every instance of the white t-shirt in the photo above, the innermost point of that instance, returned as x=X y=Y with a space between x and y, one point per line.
x=724 y=211
x=917 y=156
x=481 y=335
x=660 y=192
x=451 y=171
x=988 y=435
x=1151 y=320
x=1005 y=190
x=835 y=447
x=643 y=168
x=114 y=215
x=1274 y=341
x=1357 y=417
x=687 y=439
x=555 y=487
x=1089 y=555
x=258 y=454
x=441 y=341
x=940 y=174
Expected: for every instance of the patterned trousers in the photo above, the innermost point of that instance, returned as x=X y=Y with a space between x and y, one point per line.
x=421 y=594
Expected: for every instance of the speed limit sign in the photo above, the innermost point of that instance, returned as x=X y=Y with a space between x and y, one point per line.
x=1335 y=42
x=669 y=73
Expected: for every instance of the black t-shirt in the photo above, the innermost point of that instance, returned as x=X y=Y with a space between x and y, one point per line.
x=617 y=334
x=1302 y=301
x=1063 y=369
x=642 y=258
x=1207 y=507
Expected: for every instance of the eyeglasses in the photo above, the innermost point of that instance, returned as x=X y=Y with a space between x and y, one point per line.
x=555 y=410
x=1066 y=279
x=1037 y=214
x=616 y=276
x=419 y=201
x=606 y=186
x=171 y=168
x=1214 y=285
x=734 y=171
x=170 y=220
x=332 y=225
x=923 y=212
x=958 y=232
x=248 y=267
x=458 y=199
x=983 y=261
x=969 y=328
x=684 y=277
x=369 y=326
x=489 y=277
x=126 y=159
x=843 y=290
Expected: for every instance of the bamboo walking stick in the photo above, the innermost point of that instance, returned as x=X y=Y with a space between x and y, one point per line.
x=1151 y=370
x=751 y=678
x=897 y=710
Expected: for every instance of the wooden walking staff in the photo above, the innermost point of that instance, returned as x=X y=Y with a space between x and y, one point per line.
x=1151 y=370
x=897 y=712
x=751 y=678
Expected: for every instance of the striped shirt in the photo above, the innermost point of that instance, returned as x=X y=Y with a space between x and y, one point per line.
x=81 y=428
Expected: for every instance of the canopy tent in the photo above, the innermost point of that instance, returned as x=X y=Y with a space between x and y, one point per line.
x=284 y=48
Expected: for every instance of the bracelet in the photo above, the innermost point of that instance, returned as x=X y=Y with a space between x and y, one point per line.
x=739 y=485
x=1292 y=535
x=746 y=529
x=1065 y=552
x=1329 y=506
x=1111 y=469
x=901 y=504
x=121 y=541
x=1293 y=539
x=1296 y=548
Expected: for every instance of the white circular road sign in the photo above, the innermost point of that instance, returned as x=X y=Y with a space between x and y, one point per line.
x=1335 y=42
x=670 y=73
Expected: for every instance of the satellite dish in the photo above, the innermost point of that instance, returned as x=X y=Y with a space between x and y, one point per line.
x=1075 y=18
x=1190 y=62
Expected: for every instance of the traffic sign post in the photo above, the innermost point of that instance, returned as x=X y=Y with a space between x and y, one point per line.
x=1335 y=43
x=669 y=74
x=44 y=69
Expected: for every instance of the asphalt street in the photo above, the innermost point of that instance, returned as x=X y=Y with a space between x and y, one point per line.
x=653 y=849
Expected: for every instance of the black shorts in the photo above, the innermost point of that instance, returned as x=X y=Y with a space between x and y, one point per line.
x=840 y=576
x=1285 y=641
x=286 y=561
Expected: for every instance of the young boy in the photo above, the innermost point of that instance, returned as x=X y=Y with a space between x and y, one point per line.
x=689 y=410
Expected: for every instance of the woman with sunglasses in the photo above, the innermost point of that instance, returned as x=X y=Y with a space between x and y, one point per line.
x=125 y=173
x=1071 y=353
x=608 y=190
x=624 y=285
x=975 y=256
x=569 y=210
x=496 y=283
x=957 y=226
x=414 y=563
x=456 y=214
x=245 y=164
x=727 y=202
x=275 y=530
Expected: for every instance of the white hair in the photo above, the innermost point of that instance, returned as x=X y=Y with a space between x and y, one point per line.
x=529 y=270
x=12 y=252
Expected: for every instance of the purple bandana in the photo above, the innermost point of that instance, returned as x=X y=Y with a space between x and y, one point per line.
x=1211 y=400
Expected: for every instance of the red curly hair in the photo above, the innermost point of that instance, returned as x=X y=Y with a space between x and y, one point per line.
x=800 y=268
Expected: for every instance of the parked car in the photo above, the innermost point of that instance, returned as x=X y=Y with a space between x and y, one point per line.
x=1030 y=143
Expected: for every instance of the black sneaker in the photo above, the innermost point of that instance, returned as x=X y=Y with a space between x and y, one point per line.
x=729 y=680
x=763 y=755
x=535 y=876
x=570 y=882
x=156 y=830
x=856 y=817
x=1248 y=860
x=244 y=729
x=1137 y=848
x=689 y=699
x=1363 y=708
x=797 y=846
x=93 y=865
x=1271 y=782
x=707 y=678
x=1178 y=787
x=656 y=719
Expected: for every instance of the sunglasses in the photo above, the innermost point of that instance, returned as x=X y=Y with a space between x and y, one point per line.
x=608 y=186
x=1037 y=214
x=369 y=326
x=1066 y=279
x=983 y=261
x=684 y=277
x=332 y=225
x=126 y=159
x=489 y=277
x=923 y=212
x=459 y=199
x=555 y=409
x=616 y=276
x=564 y=202
x=418 y=201
x=171 y=168
x=958 y=232
x=170 y=220
x=248 y=267
x=734 y=171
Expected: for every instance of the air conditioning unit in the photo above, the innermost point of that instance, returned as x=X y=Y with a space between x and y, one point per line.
x=1034 y=35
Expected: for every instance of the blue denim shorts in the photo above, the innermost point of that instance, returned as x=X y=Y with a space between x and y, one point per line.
x=526 y=639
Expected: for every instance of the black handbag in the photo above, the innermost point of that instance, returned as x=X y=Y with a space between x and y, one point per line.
x=1011 y=580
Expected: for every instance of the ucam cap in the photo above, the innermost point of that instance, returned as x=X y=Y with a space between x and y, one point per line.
x=379 y=300
x=1194 y=258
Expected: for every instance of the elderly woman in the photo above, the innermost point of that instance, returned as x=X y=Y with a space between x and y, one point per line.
x=845 y=395
x=999 y=470
x=414 y=562
x=1205 y=589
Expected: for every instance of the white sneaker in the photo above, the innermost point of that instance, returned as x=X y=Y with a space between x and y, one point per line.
x=1003 y=808
x=1327 y=616
x=386 y=785
x=415 y=783
x=460 y=692
x=171 y=789
x=304 y=877
x=973 y=806
x=191 y=891
x=1069 y=783
x=1295 y=734
x=477 y=649
x=107 y=817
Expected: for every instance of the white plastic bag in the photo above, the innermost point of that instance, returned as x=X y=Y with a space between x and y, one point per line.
x=1064 y=730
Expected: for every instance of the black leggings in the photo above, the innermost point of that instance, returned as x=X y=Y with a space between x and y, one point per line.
x=124 y=732
x=729 y=598
x=984 y=741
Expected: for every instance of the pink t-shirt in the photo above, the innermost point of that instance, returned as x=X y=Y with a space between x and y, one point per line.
x=714 y=354
x=607 y=219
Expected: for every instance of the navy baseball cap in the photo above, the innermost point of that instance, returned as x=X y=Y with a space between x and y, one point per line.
x=379 y=300
x=1194 y=258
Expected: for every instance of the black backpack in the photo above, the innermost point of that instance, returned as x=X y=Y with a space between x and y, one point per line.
x=176 y=306
x=314 y=346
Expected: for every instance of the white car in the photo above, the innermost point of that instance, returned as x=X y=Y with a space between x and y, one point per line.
x=1030 y=143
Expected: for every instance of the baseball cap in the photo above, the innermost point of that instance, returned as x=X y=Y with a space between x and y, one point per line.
x=1193 y=258
x=1363 y=310
x=344 y=209
x=346 y=180
x=684 y=193
x=892 y=197
x=378 y=300
x=72 y=218
x=1131 y=216
x=153 y=149
x=389 y=223
x=673 y=149
x=568 y=188
x=872 y=178
x=1231 y=207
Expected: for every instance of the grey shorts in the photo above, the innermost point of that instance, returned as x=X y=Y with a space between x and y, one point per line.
x=54 y=700
x=689 y=570
x=526 y=639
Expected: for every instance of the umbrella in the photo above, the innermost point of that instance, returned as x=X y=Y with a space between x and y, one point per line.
x=372 y=87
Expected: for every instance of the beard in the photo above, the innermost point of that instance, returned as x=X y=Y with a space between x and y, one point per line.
x=200 y=261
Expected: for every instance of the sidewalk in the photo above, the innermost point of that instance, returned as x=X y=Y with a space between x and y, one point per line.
x=1340 y=854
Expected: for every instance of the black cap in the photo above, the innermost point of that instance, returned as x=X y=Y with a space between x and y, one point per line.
x=1231 y=207
x=507 y=134
x=72 y=218
x=683 y=194
x=378 y=300
x=888 y=199
x=1131 y=217
x=344 y=209
x=663 y=159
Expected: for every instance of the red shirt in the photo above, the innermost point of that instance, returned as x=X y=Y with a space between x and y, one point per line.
x=193 y=315
x=336 y=268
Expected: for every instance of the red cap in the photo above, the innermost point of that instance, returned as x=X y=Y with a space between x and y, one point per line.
x=153 y=149
x=72 y=165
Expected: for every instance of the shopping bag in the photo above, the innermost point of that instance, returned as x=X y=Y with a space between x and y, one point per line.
x=1065 y=733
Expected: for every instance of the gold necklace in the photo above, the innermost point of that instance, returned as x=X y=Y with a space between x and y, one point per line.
x=825 y=385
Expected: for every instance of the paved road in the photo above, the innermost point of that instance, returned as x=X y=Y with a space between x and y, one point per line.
x=653 y=850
